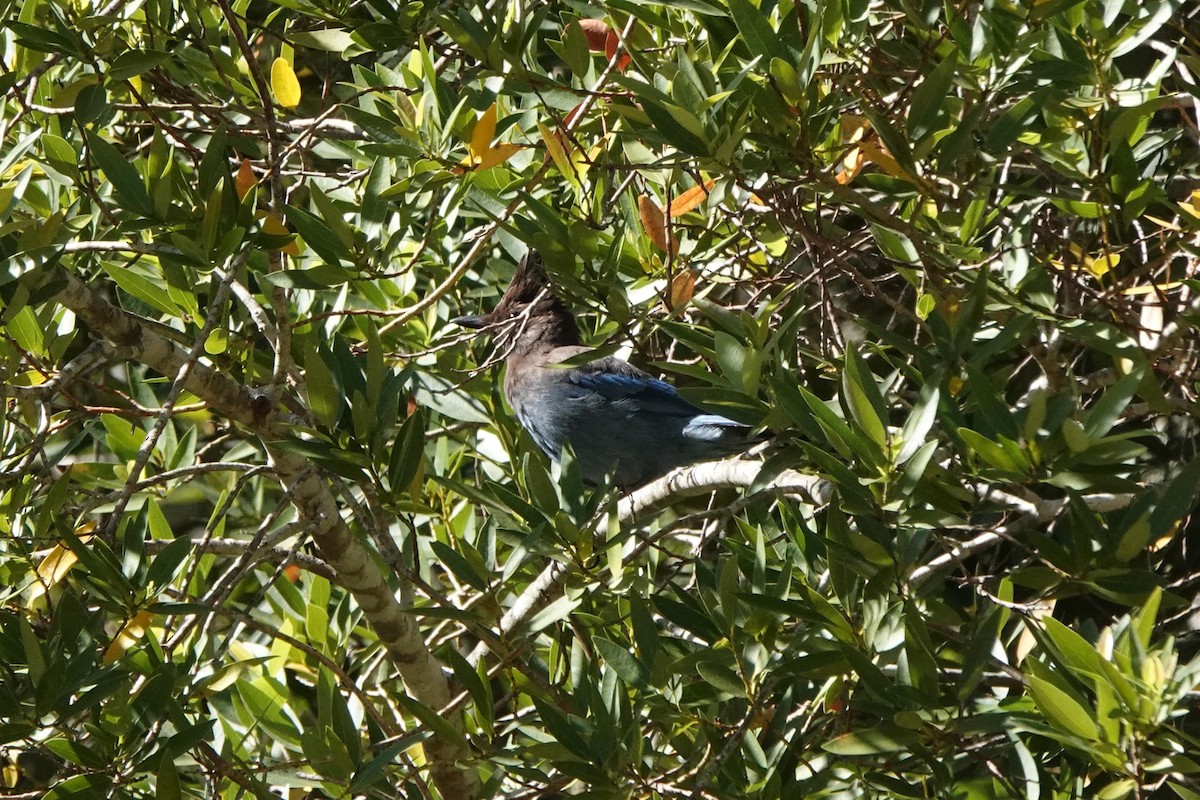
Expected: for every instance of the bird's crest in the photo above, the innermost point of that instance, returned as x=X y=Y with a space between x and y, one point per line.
x=529 y=284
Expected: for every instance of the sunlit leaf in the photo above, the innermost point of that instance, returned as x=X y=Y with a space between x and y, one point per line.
x=284 y=83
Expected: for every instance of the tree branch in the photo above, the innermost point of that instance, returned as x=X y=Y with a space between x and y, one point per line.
x=683 y=482
x=309 y=488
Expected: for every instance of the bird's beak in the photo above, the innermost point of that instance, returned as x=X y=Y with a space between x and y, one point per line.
x=473 y=321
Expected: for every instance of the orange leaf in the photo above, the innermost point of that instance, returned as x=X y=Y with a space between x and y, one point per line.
x=569 y=122
x=611 y=43
x=131 y=633
x=690 y=199
x=597 y=32
x=683 y=286
x=655 y=225
x=245 y=179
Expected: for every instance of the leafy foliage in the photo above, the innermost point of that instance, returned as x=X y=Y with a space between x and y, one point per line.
x=947 y=253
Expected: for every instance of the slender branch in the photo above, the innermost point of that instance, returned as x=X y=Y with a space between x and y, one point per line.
x=683 y=482
x=1030 y=511
x=236 y=547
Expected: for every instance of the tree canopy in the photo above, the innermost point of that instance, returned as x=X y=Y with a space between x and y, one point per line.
x=270 y=530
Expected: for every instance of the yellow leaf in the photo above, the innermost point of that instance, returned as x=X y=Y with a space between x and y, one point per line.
x=56 y=564
x=130 y=634
x=878 y=154
x=482 y=134
x=52 y=569
x=1101 y=265
x=497 y=155
x=1155 y=288
x=852 y=164
x=690 y=199
x=555 y=147
x=272 y=226
x=655 y=225
x=1192 y=204
x=284 y=83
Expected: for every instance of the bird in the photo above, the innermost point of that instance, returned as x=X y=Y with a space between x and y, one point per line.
x=620 y=421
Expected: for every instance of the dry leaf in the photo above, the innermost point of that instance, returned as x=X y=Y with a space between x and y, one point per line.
x=690 y=199
x=683 y=286
x=569 y=122
x=655 y=225
x=284 y=83
x=245 y=179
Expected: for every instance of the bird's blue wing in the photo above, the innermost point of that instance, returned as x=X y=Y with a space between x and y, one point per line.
x=617 y=386
x=625 y=385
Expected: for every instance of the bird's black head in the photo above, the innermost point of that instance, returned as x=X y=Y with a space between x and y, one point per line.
x=530 y=302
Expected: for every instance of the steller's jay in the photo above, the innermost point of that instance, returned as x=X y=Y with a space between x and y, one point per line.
x=617 y=418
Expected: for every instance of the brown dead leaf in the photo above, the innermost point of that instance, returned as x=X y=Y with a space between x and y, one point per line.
x=655 y=225
x=690 y=199
x=597 y=32
x=682 y=287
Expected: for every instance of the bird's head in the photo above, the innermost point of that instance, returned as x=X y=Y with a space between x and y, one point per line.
x=529 y=313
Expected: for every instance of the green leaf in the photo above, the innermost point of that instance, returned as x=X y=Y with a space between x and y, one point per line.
x=721 y=678
x=680 y=128
x=166 y=784
x=863 y=399
x=574 y=49
x=407 y=452
x=757 y=30
x=317 y=235
x=121 y=173
x=1062 y=710
x=930 y=96
x=871 y=742
x=992 y=454
x=325 y=394
x=1177 y=499
x=143 y=287
x=623 y=662
x=135 y=62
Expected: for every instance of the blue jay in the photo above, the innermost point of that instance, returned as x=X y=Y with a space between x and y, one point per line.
x=618 y=419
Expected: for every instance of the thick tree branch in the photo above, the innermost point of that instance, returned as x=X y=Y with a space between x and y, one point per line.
x=310 y=491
